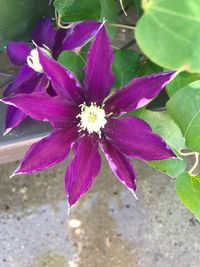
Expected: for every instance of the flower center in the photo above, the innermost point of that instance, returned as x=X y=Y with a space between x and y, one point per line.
x=33 y=59
x=92 y=118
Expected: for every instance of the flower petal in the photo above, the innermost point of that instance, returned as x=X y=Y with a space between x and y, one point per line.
x=42 y=107
x=44 y=33
x=63 y=81
x=120 y=165
x=48 y=152
x=22 y=79
x=135 y=138
x=18 y=52
x=14 y=117
x=99 y=77
x=76 y=36
x=139 y=92
x=82 y=169
x=80 y=33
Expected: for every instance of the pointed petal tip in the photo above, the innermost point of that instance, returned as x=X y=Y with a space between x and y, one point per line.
x=7 y=101
x=7 y=130
x=103 y=21
x=172 y=153
x=70 y=205
x=132 y=190
x=68 y=208
x=133 y=193
x=15 y=173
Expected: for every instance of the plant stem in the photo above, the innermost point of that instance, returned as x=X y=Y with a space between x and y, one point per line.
x=122 y=6
x=195 y=164
x=187 y=153
x=59 y=23
x=6 y=74
x=123 y=26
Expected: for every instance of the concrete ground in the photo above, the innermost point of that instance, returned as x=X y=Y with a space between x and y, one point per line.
x=108 y=227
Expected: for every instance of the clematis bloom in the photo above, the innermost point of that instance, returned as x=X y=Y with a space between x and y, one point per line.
x=84 y=118
x=31 y=77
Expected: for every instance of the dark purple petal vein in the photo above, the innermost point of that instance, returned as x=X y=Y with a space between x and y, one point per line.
x=82 y=170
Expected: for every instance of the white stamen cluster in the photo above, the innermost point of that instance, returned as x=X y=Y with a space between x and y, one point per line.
x=92 y=118
x=33 y=59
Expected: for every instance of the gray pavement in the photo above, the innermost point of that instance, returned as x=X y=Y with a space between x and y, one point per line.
x=108 y=227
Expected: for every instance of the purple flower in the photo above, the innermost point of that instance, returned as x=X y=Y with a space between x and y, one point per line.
x=84 y=119
x=31 y=77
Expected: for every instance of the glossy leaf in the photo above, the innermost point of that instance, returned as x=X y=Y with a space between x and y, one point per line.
x=168 y=33
x=184 y=108
x=126 y=65
x=180 y=81
x=196 y=182
x=78 y=10
x=162 y=124
x=188 y=193
x=74 y=62
x=17 y=18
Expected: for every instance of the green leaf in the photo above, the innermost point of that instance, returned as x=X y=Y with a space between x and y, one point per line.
x=77 y=10
x=196 y=182
x=137 y=4
x=168 y=33
x=110 y=13
x=125 y=66
x=184 y=108
x=162 y=124
x=74 y=62
x=148 y=68
x=17 y=18
x=180 y=81
x=188 y=193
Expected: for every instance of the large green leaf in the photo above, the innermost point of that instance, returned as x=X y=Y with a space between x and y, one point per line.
x=125 y=66
x=180 y=81
x=184 y=108
x=168 y=33
x=74 y=62
x=162 y=124
x=17 y=18
x=189 y=193
x=196 y=182
x=76 y=10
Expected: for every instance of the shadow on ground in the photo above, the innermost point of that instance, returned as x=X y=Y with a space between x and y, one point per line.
x=108 y=227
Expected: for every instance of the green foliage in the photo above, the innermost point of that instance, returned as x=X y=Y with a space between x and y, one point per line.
x=125 y=66
x=188 y=190
x=137 y=4
x=162 y=124
x=109 y=12
x=180 y=81
x=148 y=67
x=196 y=182
x=76 y=10
x=168 y=33
x=17 y=18
x=74 y=62
x=184 y=108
